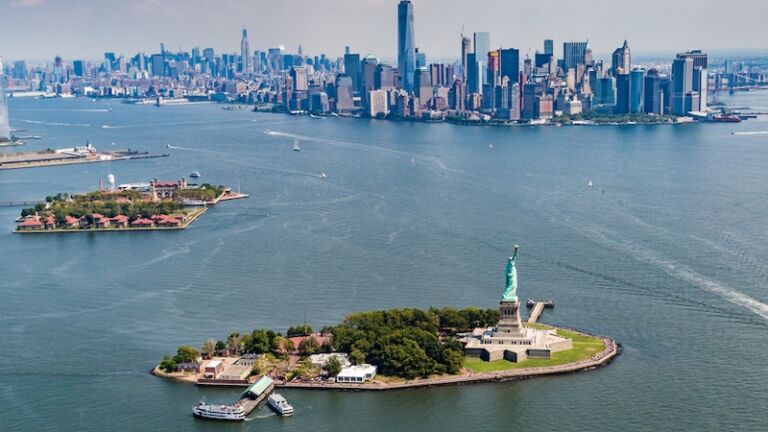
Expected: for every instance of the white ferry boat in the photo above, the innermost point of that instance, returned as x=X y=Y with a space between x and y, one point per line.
x=280 y=405
x=219 y=412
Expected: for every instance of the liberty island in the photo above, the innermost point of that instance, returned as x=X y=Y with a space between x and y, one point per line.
x=324 y=361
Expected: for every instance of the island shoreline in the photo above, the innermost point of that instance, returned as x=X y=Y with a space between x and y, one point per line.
x=611 y=351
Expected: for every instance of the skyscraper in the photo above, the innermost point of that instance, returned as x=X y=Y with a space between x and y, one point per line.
x=352 y=69
x=158 y=65
x=699 y=77
x=482 y=44
x=482 y=48
x=466 y=48
x=299 y=76
x=574 y=54
x=682 y=86
x=344 y=101
x=423 y=85
x=622 y=59
x=78 y=67
x=421 y=59
x=245 y=54
x=510 y=64
x=5 y=129
x=623 y=90
x=474 y=74
x=636 y=90
x=406 y=47
x=654 y=98
x=383 y=77
x=368 y=75
x=549 y=46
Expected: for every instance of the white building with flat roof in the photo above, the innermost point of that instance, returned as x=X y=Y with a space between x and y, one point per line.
x=357 y=374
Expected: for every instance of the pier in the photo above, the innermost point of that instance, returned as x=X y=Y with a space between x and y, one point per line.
x=255 y=394
x=538 y=307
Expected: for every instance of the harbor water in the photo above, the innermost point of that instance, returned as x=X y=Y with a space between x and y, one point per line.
x=666 y=253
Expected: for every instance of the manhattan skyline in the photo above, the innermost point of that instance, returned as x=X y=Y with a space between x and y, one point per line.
x=368 y=26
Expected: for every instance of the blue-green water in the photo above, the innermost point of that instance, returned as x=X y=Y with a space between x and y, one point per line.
x=670 y=260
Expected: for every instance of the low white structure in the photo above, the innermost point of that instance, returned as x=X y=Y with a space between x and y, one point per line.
x=357 y=374
x=320 y=360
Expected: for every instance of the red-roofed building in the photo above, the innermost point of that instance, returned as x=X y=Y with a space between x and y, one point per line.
x=120 y=221
x=104 y=222
x=141 y=223
x=50 y=222
x=71 y=222
x=169 y=222
x=162 y=190
x=298 y=339
x=31 y=224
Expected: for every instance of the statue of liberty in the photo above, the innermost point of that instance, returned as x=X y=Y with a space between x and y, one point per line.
x=510 y=292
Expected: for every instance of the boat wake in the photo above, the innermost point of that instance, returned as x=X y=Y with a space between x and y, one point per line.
x=38 y=122
x=679 y=271
x=372 y=148
x=751 y=133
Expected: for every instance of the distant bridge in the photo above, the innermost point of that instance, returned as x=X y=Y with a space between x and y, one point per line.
x=21 y=203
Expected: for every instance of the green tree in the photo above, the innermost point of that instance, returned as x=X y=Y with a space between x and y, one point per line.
x=333 y=366
x=186 y=354
x=453 y=360
x=209 y=348
x=255 y=370
x=234 y=343
x=406 y=359
x=288 y=345
x=299 y=330
x=220 y=346
x=168 y=364
x=357 y=357
x=309 y=346
x=258 y=342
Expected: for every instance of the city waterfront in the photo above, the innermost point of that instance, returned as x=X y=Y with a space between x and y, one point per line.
x=665 y=253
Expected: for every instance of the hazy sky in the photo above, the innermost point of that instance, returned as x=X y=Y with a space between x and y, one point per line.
x=40 y=29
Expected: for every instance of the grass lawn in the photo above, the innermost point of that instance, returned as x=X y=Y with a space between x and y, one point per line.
x=584 y=347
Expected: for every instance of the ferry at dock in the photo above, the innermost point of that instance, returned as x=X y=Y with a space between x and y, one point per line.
x=233 y=412
x=280 y=405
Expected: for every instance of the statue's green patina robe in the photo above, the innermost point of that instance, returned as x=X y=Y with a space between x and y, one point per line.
x=510 y=292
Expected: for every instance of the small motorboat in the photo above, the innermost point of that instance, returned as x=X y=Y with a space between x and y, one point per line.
x=296 y=146
x=323 y=176
x=589 y=184
x=195 y=174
